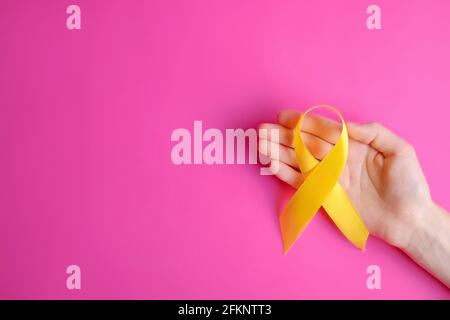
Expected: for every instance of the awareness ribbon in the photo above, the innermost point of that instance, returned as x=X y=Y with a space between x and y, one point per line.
x=321 y=188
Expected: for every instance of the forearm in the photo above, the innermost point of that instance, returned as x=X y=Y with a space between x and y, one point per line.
x=429 y=244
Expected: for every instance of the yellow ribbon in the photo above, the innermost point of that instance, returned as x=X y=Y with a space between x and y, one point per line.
x=321 y=188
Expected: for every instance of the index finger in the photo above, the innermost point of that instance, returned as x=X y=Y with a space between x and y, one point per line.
x=321 y=127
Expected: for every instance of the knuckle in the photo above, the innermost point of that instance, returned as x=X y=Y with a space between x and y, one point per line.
x=408 y=149
x=376 y=125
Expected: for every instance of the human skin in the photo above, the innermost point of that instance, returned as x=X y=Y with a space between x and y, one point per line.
x=382 y=177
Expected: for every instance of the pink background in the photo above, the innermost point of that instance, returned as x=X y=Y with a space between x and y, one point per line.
x=86 y=117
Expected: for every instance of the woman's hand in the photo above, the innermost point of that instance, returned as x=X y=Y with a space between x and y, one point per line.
x=382 y=177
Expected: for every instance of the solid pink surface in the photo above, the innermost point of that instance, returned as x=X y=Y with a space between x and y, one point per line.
x=86 y=118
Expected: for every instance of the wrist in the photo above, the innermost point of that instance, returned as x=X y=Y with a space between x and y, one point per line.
x=429 y=243
x=415 y=231
x=421 y=231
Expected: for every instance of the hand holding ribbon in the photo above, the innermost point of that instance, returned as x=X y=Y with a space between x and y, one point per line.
x=321 y=188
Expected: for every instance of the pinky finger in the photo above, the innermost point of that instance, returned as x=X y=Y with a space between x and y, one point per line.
x=286 y=173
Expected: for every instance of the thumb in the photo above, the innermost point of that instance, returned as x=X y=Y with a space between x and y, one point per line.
x=378 y=137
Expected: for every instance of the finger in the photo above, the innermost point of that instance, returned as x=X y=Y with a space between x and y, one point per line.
x=321 y=127
x=279 y=152
x=286 y=173
x=316 y=146
x=288 y=118
x=378 y=137
x=268 y=131
x=319 y=148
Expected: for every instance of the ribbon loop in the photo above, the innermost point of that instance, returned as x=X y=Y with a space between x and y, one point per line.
x=321 y=188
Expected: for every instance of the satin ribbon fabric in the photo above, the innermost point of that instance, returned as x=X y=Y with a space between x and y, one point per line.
x=321 y=188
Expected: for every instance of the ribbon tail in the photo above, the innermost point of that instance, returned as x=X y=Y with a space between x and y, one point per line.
x=294 y=219
x=340 y=209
